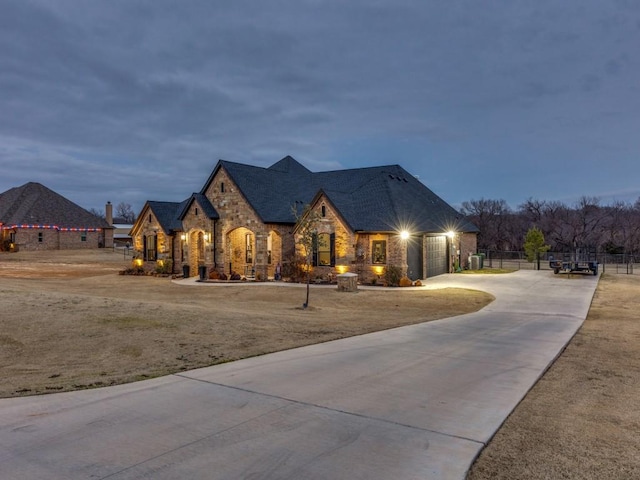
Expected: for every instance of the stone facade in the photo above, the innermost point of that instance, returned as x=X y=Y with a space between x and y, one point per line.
x=354 y=250
x=219 y=229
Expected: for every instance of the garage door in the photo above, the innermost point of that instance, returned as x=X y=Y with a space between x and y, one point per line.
x=437 y=263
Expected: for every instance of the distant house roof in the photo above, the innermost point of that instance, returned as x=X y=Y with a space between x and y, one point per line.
x=35 y=204
x=371 y=199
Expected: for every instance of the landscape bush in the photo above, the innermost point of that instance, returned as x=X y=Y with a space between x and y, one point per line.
x=392 y=275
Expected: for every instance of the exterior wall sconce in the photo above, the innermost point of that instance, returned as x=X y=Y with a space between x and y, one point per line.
x=183 y=237
x=207 y=237
x=404 y=235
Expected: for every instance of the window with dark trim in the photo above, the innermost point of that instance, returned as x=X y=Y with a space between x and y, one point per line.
x=83 y=237
x=222 y=187
x=40 y=237
x=324 y=211
x=150 y=247
x=379 y=251
x=324 y=250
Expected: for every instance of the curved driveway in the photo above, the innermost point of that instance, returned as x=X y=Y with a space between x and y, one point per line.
x=415 y=402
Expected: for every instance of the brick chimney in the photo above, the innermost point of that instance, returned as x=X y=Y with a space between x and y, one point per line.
x=108 y=213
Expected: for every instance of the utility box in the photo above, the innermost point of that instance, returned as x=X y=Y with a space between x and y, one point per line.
x=475 y=262
x=347 y=282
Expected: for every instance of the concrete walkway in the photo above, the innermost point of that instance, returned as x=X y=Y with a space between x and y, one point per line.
x=416 y=402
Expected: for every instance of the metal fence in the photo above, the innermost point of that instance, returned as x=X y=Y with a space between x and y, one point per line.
x=513 y=260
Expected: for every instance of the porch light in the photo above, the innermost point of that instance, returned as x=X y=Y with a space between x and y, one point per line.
x=451 y=234
x=404 y=235
x=207 y=237
x=183 y=237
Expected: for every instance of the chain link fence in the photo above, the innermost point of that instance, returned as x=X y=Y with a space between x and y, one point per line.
x=628 y=264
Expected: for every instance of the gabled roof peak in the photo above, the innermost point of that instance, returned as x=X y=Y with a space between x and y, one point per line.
x=289 y=165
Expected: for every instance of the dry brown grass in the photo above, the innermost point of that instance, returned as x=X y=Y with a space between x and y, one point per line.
x=582 y=419
x=69 y=321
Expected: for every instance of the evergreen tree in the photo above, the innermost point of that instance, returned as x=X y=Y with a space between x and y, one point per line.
x=534 y=245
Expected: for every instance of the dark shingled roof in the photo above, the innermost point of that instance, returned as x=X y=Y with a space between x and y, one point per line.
x=167 y=214
x=170 y=214
x=374 y=199
x=35 y=204
x=203 y=201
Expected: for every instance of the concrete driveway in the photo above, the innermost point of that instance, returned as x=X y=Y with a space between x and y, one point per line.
x=415 y=402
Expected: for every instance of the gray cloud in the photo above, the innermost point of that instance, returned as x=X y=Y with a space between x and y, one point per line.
x=135 y=100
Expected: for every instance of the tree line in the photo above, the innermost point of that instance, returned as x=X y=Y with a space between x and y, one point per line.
x=588 y=224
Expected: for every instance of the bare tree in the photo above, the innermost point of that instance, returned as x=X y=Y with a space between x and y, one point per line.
x=96 y=212
x=585 y=226
x=125 y=212
x=492 y=218
x=306 y=237
x=532 y=210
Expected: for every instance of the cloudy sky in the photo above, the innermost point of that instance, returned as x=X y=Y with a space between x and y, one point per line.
x=132 y=100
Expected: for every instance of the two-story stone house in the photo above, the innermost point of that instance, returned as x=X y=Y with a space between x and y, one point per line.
x=243 y=221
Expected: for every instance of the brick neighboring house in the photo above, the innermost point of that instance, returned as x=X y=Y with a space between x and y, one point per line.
x=33 y=217
x=242 y=221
